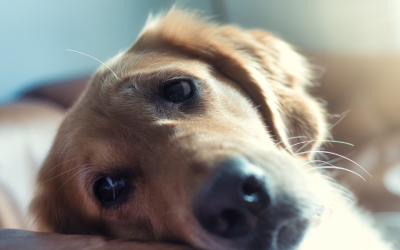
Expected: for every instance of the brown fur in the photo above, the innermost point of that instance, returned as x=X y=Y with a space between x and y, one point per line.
x=253 y=96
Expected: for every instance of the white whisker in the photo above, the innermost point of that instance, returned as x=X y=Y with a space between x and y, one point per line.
x=329 y=167
x=56 y=167
x=341 y=188
x=311 y=161
x=341 y=118
x=337 y=159
x=347 y=194
x=58 y=175
x=331 y=153
x=342 y=142
x=70 y=179
x=335 y=167
x=96 y=60
x=338 y=188
x=291 y=138
x=324 y=156
x=344 y=114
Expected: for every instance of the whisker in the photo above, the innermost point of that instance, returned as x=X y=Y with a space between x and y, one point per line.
x=331 y=153
x=335 y=167
x=96 y=60
x=341 y=188
x=58 y=175
x=347 y=194
x=344 y=114
x=329 y=167
x=324 y=155
x=343 y=197
x=311 y=161
x=56 y=167
x=328 y=178
x=332 y=181
x=291 y=138
x=333 y=141
x=70 y=179
x=338 y=159
x=331 y=161
x=343 y=192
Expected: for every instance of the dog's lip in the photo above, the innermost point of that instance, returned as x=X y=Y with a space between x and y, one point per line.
x=180 y=243
x=206 y=241
x=203 y=240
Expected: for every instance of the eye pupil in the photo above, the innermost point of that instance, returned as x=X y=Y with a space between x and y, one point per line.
x=177 y=91
x=109 y=188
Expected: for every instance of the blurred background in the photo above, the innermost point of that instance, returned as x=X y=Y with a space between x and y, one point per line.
x=354 y=45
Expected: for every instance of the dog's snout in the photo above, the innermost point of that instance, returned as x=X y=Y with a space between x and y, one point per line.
x=232 y=199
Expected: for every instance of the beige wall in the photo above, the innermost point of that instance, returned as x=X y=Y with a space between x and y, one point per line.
x=361 y=26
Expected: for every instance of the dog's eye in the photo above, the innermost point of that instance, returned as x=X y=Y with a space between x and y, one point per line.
x=178 y=91
x=108 y=189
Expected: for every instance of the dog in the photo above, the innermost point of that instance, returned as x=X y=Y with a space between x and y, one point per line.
x=200 y=134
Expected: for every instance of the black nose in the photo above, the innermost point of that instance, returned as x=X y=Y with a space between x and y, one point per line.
x=230 y=202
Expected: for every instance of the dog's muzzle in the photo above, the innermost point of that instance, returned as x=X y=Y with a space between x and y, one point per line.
x=237 y=206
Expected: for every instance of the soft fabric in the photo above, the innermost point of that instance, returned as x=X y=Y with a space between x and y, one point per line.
x=19 y=239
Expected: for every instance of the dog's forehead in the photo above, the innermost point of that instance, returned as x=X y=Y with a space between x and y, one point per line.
x=162 y=62
x=142 y=65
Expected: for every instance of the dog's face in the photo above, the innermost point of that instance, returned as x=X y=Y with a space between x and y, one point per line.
x=187 y=140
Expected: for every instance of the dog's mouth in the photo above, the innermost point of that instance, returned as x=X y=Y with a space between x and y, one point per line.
x=263 y=234
x=239 y=210
x=289 y=234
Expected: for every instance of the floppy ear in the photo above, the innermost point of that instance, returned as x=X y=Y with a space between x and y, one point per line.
x=290 y=74
x=268 y=69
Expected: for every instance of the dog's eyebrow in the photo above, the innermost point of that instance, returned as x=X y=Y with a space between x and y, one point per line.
x=162 y=75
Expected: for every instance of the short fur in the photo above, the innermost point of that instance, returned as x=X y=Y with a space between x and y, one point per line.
x=253 y=101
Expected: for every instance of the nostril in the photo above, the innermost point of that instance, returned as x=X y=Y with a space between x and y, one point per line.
x=231 y=217
x=251 y=188
x=229 y=223
x=229 y=220
x=230 y=203
x=254 y=193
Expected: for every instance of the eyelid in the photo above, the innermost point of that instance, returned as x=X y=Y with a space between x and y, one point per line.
x=132 y=84
x=190 y=79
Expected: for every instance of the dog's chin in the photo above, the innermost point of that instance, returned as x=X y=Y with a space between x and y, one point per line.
x=286 y=236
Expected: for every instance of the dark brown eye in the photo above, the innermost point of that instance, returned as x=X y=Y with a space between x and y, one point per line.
x=178 y=91
x=108 y=189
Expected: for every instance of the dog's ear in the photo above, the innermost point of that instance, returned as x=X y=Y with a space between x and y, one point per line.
x=268 y=69
x=289 y=74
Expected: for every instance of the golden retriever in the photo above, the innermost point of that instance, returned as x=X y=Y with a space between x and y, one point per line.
x=200 y=134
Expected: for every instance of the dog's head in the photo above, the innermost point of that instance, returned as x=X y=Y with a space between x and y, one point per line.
x=188 y=139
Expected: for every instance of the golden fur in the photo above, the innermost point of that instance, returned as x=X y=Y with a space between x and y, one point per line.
x=253 y=101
